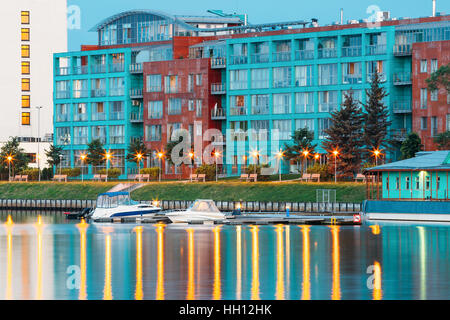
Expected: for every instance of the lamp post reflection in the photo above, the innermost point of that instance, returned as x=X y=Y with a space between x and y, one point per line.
x=377 y=291
x=306 y=284
x=238 y=262
x=82 y=228
x=288 y=253
x=107 y=291
x=139 y=293
x=191 y=267
x=160 y=262
x=255 y=264
x=39 y=228
x=280 y=264
x=9 y=225
x=217 y=285
x=336 y=290
x=423 y=264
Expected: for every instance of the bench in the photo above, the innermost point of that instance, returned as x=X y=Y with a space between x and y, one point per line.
x=20 y=178
x=244 y=177
x=360 y=177
x=142 y=177
x=17 y=178
x=193 y=177
x=306 y=177
x=100 y=177
x=60 y=177
x=253 y=177
x=201 y=177
x=316 y=177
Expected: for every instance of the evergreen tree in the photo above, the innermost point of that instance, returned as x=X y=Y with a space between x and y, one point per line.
x=440 y=78
x=95 y=153
x=443 y=140
x=345 y=135
x=302 y=141
x=53 y=155
x=411 y=146
x=20 y=159
x=376 y=119
x=135 y=148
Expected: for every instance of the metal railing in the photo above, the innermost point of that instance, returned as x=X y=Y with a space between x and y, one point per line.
x=257 y=110
x=355 y=51
x=304 y=54
x=136 y=68
x=260 y=58
x=375 y=49
x=80 y=70
x=136 y=117
x=402 y=78
x=403 y=50
x=327 y=53
x=402 y=106
x=98 y=68
x=399 y=134
x=281 y=56
x=98 y=116
x=98 y=93
x=218 y=63
x=116 y=67
x=240 y=59
x=80 y=94
x=238 y=111
x=218 y=88
x=62 y=94
x=136 y=93
x=218 y=114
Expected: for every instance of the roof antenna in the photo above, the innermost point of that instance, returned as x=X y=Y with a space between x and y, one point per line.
x=434 y=8
x=342 y=16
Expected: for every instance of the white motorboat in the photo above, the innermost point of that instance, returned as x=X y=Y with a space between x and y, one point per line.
x=200 y=210
x=119 y=205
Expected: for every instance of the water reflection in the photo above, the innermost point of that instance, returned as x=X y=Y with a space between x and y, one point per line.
x=123 y=261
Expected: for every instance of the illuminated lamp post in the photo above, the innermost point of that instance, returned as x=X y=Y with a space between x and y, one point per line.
x=335 y=153
x=280 y=157
x=216 y=155
x=160 y=156
x=83 y=159
x=108 y=156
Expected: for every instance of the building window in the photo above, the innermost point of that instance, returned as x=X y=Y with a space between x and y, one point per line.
x=26 y=67
x=397 y=183
x=282 y=103
x=324 y=124
x=282 y=77
x=80 y=135
x=434 y=65
x=117 y=110
x=423 y=66
x=328 y=101
x=434 y=126
x=417 y=179
x=191 y=104
x=407 y=186
x=448 y=122
x=25 y=17
x=198 y=79
x=387 y=183
x=171 y=84
x=80 y=112
x=198 y=112
x=98 y=111
x=26 y=118
x=99 y=132
x=260 y=104
x=260 y=78
x=25 y=51
x=434 y=95
x=304 y=76
x=238 y=79
x=423 y=98
x=62 y=112
x=304 y=123
x=284 y=129
x=174 y=107
x=260 y=128
x=351 y=73
x=154 y=83
x=153 y=133
x=172 y=130
x=190 y=83
x=116 y=86
x=376 y=67
x=25 y=84
x=304 y=102
x=116 y=134
x=25 y=34
x=328 y=74
x=238 y=105
x=423 y=123
x=155 y=109
x=63 y=136
x=26 y=101
x=427 y=182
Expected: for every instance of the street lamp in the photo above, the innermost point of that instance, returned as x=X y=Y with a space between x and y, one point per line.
x=39 y=142
x=335 y=153
x=139 y=158
x=306 y=154
x=160 y=156
x=83 y=159
x=216 y=155
x=60 y=163
x=9 y=158
x=316 y=157
x=108 y=156
x=191 y=156
x=376 y=153
x=280 y=157
x=255 y=155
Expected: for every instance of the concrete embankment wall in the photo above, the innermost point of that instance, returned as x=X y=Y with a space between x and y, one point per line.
x=294 y=207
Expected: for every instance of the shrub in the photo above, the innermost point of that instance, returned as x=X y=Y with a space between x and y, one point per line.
x=113 y=173
x=71 y=172
x=321 y=169
x=153 y=172
x=209 y=170
x=33 y=174
x=251 y=170
x=47 y=174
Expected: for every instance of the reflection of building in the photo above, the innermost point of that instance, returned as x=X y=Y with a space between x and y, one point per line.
x=35 y=30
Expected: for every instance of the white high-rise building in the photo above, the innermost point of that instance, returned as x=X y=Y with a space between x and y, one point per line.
x=32 y=30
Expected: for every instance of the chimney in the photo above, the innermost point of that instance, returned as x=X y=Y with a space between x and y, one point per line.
x=434 y=8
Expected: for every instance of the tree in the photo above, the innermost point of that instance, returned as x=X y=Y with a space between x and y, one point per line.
x=53 y=155
x=95 y=153
x=440 y=78
x=376 y=118
x=302 y=141
x=345 y=135
x=12 y=148
x=411 y=146
x=135 y=148
x=443 y=140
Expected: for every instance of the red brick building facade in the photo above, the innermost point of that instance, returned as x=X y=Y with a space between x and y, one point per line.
x=431 y=110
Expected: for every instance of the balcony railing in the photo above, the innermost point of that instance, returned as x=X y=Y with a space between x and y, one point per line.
x=240 y=59
x=98 y=68
x=138 y=139
x=64 y=117
x=304 y=55
x=375 y=49
x=327 y=53
x=80 y=70
x=95 y=93
x=403 y=50
x=136 y=93
x=80 y=94
x=402 y=78
x=355 y=51
x=238 y=111
x=136 y=117
x=402 y=106
x=258 y=110
x=116 y=116
x=62 y=94
x=136 y=68
x=352 y=79
x=217 y=63
x=114 y=92
x=260 y=58
x=101 y=138
x=328 y=107
x=63 y=71
x=116 y=67
x=218 y=88
x=399 y=134
x=381 y=77
x=98 y=116
x=218 y=114
x=281 y=56
x=80 y=117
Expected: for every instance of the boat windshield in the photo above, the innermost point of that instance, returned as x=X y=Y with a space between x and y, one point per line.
x=113 y=200
x=204 y=206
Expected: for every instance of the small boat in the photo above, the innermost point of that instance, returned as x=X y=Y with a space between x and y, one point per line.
x=200 y=210
x=120 y=205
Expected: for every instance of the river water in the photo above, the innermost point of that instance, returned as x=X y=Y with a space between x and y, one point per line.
x=46 y=257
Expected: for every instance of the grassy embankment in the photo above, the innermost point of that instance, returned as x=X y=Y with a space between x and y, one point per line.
x=223 y=190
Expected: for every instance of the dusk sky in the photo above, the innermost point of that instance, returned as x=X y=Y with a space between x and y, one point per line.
x=259 y=11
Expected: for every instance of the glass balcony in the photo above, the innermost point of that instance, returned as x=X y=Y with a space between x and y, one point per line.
x=101 y=138
x=98 y=116
x=351 y=51
x=62 y=94
x=117 y=139
x=116 y=116
x=281 y=56
x=402 y=78
x=63 y=71
x=304 y=55
x=399 y=134
x=260 y=109
x=114 y=92
x=260 y=58
x=327 y=53
x=98 y=68
x=116 y=67
x=241 y=59
x=218 y=63
x=80 y=117
x=95 y=93
x=352 y=79
x=238 y=111
x=375 y=49
x=80 y=94
x=80 y=70
x=218 y=88
x=328 y=107
x=402 y=106
x=381 y=76
x=62 y=117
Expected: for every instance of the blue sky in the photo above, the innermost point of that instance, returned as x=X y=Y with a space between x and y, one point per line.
x=259 y=11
